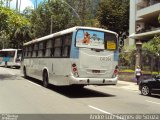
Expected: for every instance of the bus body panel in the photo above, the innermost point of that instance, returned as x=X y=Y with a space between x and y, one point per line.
x=93 y=66
x=35 y=67
x=91 y=61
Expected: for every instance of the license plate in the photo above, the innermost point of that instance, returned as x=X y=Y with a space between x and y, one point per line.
x=95 y=71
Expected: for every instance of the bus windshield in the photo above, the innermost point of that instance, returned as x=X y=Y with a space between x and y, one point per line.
x=7 y=53
x=96 y=39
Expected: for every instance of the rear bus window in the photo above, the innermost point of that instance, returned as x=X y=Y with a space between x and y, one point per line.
x=110 y=41
x=90 y=39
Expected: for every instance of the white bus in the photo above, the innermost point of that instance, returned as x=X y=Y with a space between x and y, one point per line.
x=10 y=57
x=75 y=56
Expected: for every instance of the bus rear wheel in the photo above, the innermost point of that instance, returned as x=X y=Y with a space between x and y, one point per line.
x=45 y=79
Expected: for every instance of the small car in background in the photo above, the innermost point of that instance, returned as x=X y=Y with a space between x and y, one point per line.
x=149 y=86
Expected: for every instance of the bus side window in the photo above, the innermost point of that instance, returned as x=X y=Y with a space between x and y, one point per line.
x=40 y=49
x=24 y=52
x=66 y=45
x=32 y=48
x=57 y=47
x=27 y=51
x=30 y=51
x=36 y=49
x=44 y=48
x=48 y=48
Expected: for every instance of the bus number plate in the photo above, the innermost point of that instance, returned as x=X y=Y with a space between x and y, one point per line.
x=95 y=71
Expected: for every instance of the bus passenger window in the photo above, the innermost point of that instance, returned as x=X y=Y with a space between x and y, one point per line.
x=65 y=52
x=57 y=47
x=48 y=48
x=36 y=49
x=57 y=52
x=66 y=46
x=27 y=49
x=44 y=49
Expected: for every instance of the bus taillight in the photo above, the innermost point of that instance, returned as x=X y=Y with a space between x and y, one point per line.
x=115 y=73
x=73 y=65
x=74 y=70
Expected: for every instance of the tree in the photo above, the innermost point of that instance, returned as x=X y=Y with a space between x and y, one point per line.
x=54 y=12
x=10 y=23
x=114 y=15
x=151 y=52
x=127 y=56
x=153 y=46
x=86 y=9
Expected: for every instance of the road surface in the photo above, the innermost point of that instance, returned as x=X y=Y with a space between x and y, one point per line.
x=27 y=96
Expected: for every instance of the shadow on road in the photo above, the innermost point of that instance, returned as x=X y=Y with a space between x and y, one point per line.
x=73 y=92
x=79 y=93
x=7 y=77
x=155 y=96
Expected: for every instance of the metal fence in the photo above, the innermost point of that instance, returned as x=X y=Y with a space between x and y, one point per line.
x=149 y=62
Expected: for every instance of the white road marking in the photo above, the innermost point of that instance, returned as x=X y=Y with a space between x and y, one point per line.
x=153 y=102
x=34 y=83
x=105 y=112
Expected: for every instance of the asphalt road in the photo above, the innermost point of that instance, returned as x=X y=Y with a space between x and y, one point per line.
x=27 y=96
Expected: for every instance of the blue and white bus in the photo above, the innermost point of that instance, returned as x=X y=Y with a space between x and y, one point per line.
x=75 y=56
x=10 y=57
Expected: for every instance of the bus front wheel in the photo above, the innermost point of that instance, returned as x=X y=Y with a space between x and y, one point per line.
x=45 y=79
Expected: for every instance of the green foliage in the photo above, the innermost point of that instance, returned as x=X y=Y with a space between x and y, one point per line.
x=153 y=46
x=86 y=9
x=61 y=14
x=127 y=56
x=114 y=15
x=54 y=11
x=10 y=22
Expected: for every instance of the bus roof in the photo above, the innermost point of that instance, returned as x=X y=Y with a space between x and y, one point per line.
x=66 y=31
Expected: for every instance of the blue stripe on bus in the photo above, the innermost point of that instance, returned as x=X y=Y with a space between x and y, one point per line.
x=74 y=50
x=6 y=59
x=116 y=55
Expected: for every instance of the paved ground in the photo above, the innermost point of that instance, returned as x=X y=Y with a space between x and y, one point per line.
x=27 y=96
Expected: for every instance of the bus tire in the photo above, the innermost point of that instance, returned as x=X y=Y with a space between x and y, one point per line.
x=45 y=79
x=24 y=72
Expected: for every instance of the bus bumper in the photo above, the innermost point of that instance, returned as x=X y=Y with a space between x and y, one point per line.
x=93 y=81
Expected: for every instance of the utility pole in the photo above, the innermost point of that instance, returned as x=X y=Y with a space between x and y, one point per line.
x=73 y=10
x=17 y=5
x=35 y=4
x=20 y=6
